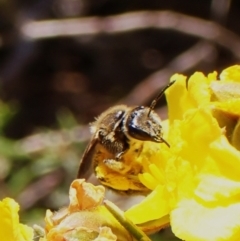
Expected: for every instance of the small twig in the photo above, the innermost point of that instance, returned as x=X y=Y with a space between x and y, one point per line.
x=183 y=62
x=39 y=189
x=203 y=29
x=42 y=141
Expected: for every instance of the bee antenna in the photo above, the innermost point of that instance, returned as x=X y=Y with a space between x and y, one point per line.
x=165 y=142
x=187 y=80
x=154 y=102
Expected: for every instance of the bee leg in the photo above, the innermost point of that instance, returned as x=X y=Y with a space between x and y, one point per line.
x=116 y=165
x=119 y=155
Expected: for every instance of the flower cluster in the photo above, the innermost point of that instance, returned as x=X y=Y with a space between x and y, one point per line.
x=196 y=182
x=86 y=218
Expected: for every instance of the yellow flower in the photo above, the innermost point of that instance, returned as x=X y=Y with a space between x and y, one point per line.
x=86 y=218
x=196 y=182
x=10 y=228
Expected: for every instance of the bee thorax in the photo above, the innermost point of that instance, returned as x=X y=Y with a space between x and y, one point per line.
x=114 y=142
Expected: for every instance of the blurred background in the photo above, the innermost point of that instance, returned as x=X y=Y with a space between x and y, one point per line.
x=63 y=62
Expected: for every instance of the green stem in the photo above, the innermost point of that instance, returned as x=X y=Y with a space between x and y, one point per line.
x=137 y=233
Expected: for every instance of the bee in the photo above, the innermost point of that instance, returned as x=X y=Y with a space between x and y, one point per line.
x=118 y=136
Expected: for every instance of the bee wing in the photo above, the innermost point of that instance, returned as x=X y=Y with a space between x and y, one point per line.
x=85 y=169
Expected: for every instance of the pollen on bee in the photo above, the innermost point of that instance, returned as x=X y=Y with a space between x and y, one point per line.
x=113 y=164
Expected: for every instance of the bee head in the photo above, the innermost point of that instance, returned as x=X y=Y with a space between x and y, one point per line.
x=144 y=126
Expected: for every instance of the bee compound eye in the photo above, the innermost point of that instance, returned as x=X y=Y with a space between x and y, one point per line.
x=138 y=133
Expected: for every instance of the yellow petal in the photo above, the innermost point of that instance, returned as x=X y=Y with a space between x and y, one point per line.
x=217 y=189
x=154 y=206
x=227 y=157
x=198 y=89
x=93 y=195
x=106 y=234
x=180 y=98
x=222 y=91
x=155 y=225
x=177 y=98
x=231 y=74
x=148 y=180
x=192 y=221
x=192 y=136
x=212 y=76
x=230 y=106
x=11 y=229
